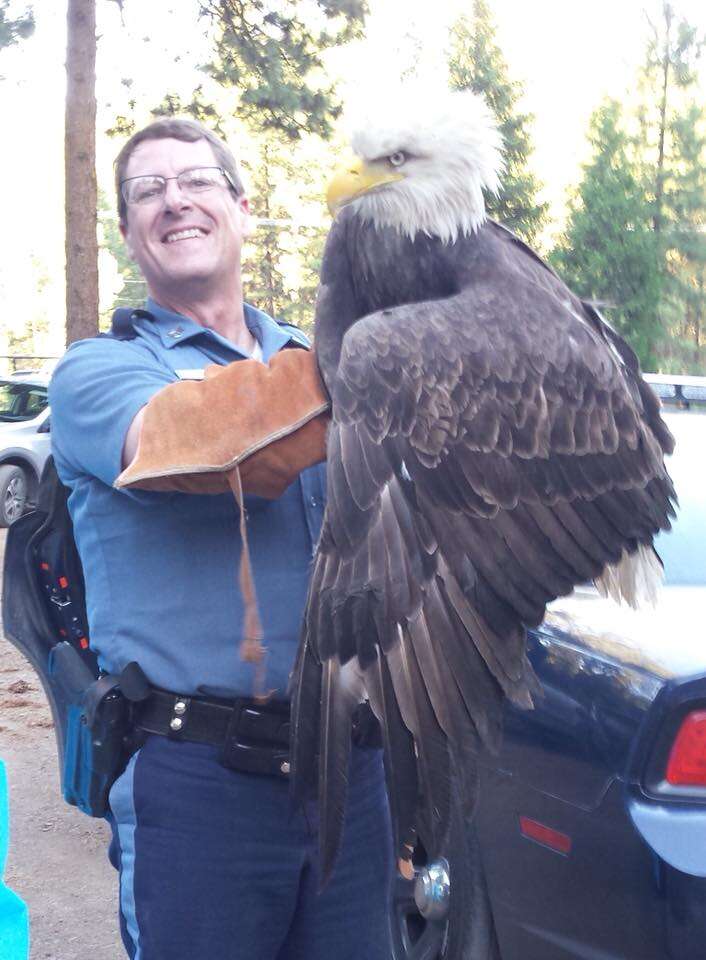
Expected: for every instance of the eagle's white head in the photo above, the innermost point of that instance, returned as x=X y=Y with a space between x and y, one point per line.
x=421 y=163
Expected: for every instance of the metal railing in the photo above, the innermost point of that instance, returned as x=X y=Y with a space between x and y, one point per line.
x=679 y=390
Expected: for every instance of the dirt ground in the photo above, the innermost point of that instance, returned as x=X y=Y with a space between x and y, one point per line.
x=57 y=861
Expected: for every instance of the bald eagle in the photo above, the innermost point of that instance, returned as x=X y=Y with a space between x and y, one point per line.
x=492 y=445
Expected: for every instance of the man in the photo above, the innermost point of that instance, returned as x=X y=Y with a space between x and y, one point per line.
x=213 y=863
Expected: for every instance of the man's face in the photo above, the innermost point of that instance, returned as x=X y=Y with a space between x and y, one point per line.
x=184 y=244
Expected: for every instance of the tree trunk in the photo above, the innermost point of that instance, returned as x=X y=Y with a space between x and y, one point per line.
x=81 y=201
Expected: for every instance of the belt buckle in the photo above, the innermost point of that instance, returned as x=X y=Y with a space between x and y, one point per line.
x=247 y=756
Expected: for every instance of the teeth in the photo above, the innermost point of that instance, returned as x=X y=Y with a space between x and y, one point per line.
x=184 y=234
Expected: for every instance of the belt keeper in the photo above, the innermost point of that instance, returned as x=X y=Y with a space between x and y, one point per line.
x=179 y=718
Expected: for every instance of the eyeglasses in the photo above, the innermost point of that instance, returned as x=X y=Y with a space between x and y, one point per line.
x=151 y=189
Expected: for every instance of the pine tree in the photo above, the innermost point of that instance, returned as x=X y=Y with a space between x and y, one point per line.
x=15 y=28
x=264 y=281
x=134 y=289
x=666 y=84
x=609 y=252
x=685 y=204
x=270 y=51
x=669 y=71
x=29 y=335
x=281 y=267
x=477 y=63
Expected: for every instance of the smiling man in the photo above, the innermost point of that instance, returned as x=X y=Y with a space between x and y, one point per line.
x=213 y=864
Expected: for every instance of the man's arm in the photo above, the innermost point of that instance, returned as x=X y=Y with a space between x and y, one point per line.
x=97 y=392
x=132 y=439
x=269 y=420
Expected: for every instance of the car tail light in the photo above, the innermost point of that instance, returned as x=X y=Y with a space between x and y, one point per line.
x=686 y=766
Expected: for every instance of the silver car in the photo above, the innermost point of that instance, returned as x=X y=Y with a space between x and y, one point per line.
x=25 y=442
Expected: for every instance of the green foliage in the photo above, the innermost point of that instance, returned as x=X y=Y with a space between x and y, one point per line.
x=669 y=153
x=477 y=63
x=685 y=238
x=134 y=289
x=283 y=255
x=636 y=233
x=669 y=72
x=263 y=274
x=609 y=252
x=15 y=28
x=28 y=335
x=271 y=52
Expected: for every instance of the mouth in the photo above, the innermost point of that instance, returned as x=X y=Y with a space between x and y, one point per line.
x=184 y=233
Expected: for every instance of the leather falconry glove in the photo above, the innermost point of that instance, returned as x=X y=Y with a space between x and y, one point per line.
x=268 y=421
x=248 y=427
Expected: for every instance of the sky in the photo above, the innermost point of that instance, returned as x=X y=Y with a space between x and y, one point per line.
x=568 y=54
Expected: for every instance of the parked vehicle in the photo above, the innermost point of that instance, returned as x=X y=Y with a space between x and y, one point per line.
x=591 y=825
x=24 y=443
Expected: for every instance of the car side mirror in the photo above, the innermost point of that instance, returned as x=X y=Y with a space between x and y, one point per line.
x=45 y=427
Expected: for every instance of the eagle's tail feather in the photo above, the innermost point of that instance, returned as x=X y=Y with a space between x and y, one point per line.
x=399 y=755
x=341 y=693
x=431 y=744
x=635 y=579
x=305 y=688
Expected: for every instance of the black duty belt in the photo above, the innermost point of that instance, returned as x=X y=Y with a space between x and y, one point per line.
x=252 y=736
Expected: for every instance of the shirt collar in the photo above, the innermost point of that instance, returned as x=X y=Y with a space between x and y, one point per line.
x=174 y=328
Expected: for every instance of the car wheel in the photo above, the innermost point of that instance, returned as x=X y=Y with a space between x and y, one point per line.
x=414 y=936
x=13 y=493
x=419 y=907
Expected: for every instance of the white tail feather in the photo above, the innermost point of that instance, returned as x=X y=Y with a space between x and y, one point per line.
x=635 y=579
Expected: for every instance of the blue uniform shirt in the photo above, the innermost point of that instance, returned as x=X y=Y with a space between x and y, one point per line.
x=161 y=568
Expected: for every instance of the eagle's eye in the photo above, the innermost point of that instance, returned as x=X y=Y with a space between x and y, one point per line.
x=397 y=158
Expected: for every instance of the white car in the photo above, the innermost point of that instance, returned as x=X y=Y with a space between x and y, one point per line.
x=25 y=442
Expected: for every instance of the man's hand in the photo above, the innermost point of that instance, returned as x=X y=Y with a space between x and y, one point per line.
x=269 y=420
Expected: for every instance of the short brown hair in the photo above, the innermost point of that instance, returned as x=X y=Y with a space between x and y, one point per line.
x=177 y=128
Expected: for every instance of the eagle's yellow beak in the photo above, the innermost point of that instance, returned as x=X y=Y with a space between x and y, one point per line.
x=356 y=177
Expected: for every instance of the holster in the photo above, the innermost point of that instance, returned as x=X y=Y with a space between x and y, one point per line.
x=99 y=731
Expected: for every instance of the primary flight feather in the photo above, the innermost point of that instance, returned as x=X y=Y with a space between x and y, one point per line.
x=492 y=445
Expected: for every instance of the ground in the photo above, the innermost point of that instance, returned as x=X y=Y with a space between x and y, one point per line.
x=57 y=861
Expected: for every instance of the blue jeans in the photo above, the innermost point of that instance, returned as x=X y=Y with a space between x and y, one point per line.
x=215 y=866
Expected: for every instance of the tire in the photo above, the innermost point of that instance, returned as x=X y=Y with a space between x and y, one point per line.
x=13 y=493
x=415 y=937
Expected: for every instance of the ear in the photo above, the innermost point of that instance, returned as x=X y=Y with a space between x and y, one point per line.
x=124 y=233
x=244 y=208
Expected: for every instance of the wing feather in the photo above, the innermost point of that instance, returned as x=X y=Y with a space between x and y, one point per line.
x=490 y=448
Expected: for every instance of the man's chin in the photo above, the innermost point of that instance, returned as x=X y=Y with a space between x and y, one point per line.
x=186 y=273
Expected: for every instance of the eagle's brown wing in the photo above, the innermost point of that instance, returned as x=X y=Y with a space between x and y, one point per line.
x=487 y=452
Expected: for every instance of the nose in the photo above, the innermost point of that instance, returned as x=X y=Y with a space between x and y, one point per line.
x=174 y=197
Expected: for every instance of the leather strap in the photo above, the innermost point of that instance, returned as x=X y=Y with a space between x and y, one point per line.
x=209 y=721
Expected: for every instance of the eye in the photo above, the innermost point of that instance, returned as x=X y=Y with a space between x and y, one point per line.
x=398 y=158
x=144 y=189
x=198 y=179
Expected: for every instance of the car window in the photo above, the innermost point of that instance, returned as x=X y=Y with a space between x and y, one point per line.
x=21 y=401
x=36 y=402
x=683 y=549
